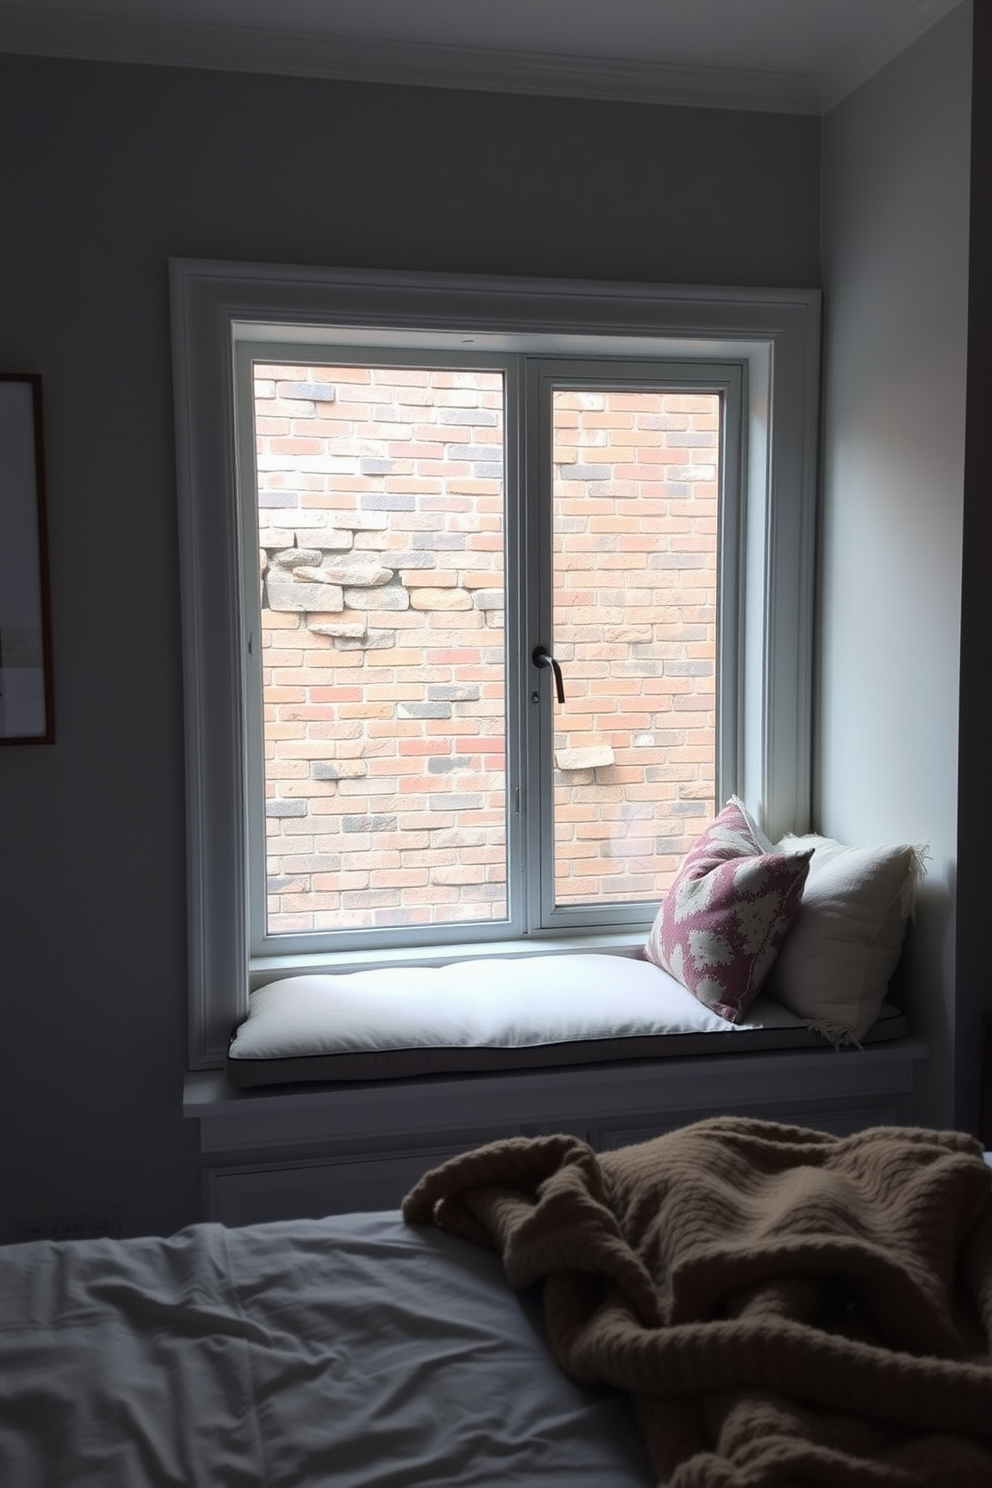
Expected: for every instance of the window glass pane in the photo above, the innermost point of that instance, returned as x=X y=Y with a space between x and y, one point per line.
x=381 y=556
x=636 y=496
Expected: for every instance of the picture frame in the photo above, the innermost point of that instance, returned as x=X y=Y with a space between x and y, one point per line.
x=26 y=693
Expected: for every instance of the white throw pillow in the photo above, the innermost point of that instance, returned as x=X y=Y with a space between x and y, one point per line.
x=834 y=965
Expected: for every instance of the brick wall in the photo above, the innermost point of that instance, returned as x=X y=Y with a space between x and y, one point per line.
x=380 y=503
x=634 y=606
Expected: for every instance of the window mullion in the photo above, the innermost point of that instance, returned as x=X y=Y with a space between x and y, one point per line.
x=536 y=690
x=517 y=603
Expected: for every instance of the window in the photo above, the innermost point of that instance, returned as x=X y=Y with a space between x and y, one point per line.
x=413 y=775
x=492 y=590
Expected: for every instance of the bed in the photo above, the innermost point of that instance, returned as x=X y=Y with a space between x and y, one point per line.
x=351 y=1351
x=733 y=1305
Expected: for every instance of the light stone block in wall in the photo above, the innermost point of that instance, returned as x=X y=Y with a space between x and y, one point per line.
x=286 y=592
x=340 y=630
x=297 y=557
x=361 y=575
x=371 y=640
x=391 y=597
x=587 y=758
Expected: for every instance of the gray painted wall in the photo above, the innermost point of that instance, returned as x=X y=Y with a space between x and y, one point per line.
x=109 y=171
x=973 y=999
x=895 y=267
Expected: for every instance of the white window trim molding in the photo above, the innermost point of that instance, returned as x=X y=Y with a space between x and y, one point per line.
x=775 y=331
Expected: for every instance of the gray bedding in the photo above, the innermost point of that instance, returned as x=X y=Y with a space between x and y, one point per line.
x=352 y=1351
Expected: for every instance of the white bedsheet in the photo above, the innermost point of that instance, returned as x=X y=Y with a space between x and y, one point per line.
x=352 y=1351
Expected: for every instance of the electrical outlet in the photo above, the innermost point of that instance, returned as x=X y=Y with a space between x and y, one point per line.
x=96 y=1224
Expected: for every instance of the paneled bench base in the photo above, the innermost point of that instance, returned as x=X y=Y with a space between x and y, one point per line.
x=303 y=1152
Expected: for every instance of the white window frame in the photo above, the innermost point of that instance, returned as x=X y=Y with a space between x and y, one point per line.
x=531 y=910
x=773 y=335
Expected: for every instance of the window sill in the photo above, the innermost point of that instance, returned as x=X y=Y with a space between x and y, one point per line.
x=263 y=969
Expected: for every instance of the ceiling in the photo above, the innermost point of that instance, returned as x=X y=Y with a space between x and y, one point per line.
x=798 y=56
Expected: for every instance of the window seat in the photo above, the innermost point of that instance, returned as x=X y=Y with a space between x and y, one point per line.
x=490 y=1015
x=325 y=1119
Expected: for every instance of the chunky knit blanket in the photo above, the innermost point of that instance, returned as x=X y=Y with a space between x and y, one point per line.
x=784 y=1306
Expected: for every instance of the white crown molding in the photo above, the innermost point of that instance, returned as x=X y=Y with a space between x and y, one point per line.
x=876 y=46
x=72 y=35
x=254 y=49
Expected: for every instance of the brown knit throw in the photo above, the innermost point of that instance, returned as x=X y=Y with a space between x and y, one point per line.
x=784 y=1306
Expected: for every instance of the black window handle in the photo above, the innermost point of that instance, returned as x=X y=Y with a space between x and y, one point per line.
x=541 y=657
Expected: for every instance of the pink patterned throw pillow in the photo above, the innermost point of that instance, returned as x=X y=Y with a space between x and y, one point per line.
x=721 y=923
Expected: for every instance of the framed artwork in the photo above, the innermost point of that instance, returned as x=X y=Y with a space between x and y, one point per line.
x=26 y=711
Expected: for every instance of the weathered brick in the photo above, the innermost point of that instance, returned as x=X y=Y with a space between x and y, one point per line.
x=285 y=808
x=438 y=541
x=389 y=597
x=489 y=599
x=587 y=757
x=325 y=539
x=446 y=600
x=355 y=520
x=372 y=640
x=453 y=693
x=400 y=878
x=367 y=825
x=379 y=501
x=483 y=417
x=432 y=577
x=368 y=787
x=275 y=538
x=312 y=863
x=316 y=392
x=392 y=413
x=424 y=710
x=369 y=899
x=405 y=558
x=446 y=764
x=342 y=769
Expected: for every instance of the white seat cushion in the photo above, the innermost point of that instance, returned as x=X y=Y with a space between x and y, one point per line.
x=483 y=1014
